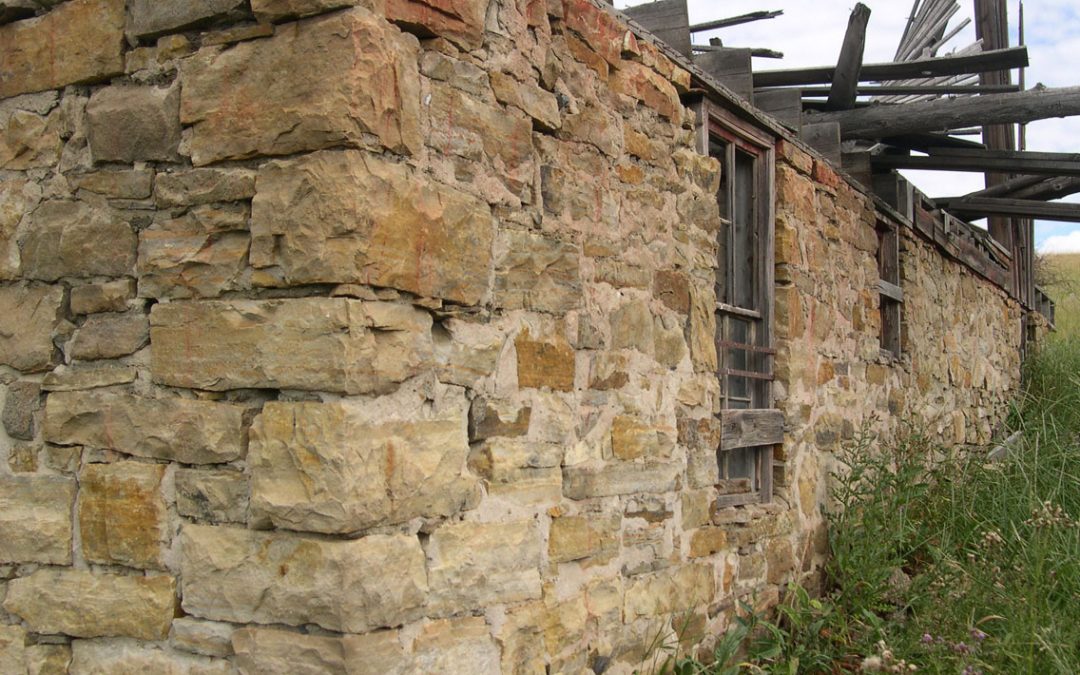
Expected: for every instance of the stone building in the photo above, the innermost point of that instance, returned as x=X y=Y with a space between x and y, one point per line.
x=387 y=336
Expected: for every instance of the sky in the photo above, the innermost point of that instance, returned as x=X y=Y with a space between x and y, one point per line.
x=810 y=32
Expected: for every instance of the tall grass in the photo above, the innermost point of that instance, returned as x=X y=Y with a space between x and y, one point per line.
x=942 y=560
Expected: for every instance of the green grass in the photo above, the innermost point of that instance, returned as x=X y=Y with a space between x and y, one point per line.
x=943 y=560
x=1059 y=276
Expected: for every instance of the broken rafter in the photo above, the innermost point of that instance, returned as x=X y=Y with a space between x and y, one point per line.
x=1023 y=208
x=754 y=51
x=845 y=81
x=966 y=159
x=998 y=59
x=942 y=114
x=735 y=20
x=906 y=90
x=1028 y=187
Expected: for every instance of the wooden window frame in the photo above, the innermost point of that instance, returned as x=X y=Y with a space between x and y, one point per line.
x=757 y=428
x=891 y=295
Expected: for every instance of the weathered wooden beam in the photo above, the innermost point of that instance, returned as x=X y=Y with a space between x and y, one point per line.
x=925 y=141
x=667 y=20
x=783 y=104
x=999 y=59
x=911 y=90
x=825 y=138
x=943 y=114
x=1023 y=208
x=731 y=67
x=749 y=428
x=846 y=78
x=735 y=20
x=1005 y=161
x=761 y=52
x=1029 y=187
x=890 y=290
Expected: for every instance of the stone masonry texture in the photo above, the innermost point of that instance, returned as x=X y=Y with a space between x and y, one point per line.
x=377 y=336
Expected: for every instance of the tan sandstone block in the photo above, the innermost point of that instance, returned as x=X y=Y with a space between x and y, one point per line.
x=336 y=468
x=110 y=335
x=28 y=315
x=194 y=256
x=76 y=239
x=322 y=344
x=153 y=17
x=35 y=519
x=274 y=11
x=123 y=519
x=79 y=41
x=333 y=79
x=192 y=432
x=535 y=102
x=48 y=659
x=243 y=576
x=460 y=21
x=209 y=638
x=544 y=363
x=126 y=657
x=668 y=592
x=536 y=273
x=449 y=647
x=111 y=296
x=586 y=536
x=473 y=565
x=12 y=649
x=203 y=186
x=134 y=123
x=618 y=478
x=268 y=650
x=84 y=604
x=218 y=496
x=351 y=217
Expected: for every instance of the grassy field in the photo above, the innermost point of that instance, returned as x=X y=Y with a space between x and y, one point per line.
x=943 y=561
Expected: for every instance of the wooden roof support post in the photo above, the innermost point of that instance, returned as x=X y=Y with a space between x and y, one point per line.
x=846 y=79
x=667 y=20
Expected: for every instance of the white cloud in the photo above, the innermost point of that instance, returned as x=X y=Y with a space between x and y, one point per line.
x=1062 y=243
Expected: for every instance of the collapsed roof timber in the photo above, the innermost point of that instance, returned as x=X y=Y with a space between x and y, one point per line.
x=871 y=130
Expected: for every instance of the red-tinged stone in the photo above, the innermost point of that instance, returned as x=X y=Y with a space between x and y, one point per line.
x=460 y=21
x=647 y=86
x=600 y=30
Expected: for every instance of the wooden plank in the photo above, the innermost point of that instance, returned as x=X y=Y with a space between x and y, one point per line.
x=846 y=78
x=943 y=114
x=896 y=191
x=910 y=90
x=825 y=138
x=783 y=104
x=890 y=290
x=960 y=159
x=749 y=428
x=735 y=20
x=925 y=141
x=998 y=59
x=1029 y=187
x=743 y=347
x=1024 y=208
x=731 y=67
x=667 y=20
x=857 y=165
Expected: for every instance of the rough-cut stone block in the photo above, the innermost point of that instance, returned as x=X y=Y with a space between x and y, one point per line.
x=203 y=186
x=668 y=592
x=132 y=124
x=111 y=296
x=460 y=21
x=28 y=315
x=76 y=239
x=466 y=126
x=21 y=402
x=449 y=647
x=191 y=257
x=649 y=87
x=209 y=638
x=79 y=41
x=322 y=344
x=350 y=217
x=110 y=335
x=507 y=460
x=116 y=184
x=182 y=430
x=544 y=363
x=489 y=419
x=17 y=197
x=12 y=649
x=273 y=11
x=473 y=565
x=333 y=79
x=632 y=439
x=28 y=140
x=536 y=273
x=243 y=576
x=153 y=17
x=535 y=102
x=35 y=519
x=84 y=604
x=90 y=377
x=618 y=478
x=470 y=354
x=126 y=657
x=324 y=467
x=48 y=659
x=123 y=519
x=268 y=650
x=586 y=536
x=219 y=496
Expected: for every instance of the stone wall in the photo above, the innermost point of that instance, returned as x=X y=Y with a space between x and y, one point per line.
x=377 y=336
